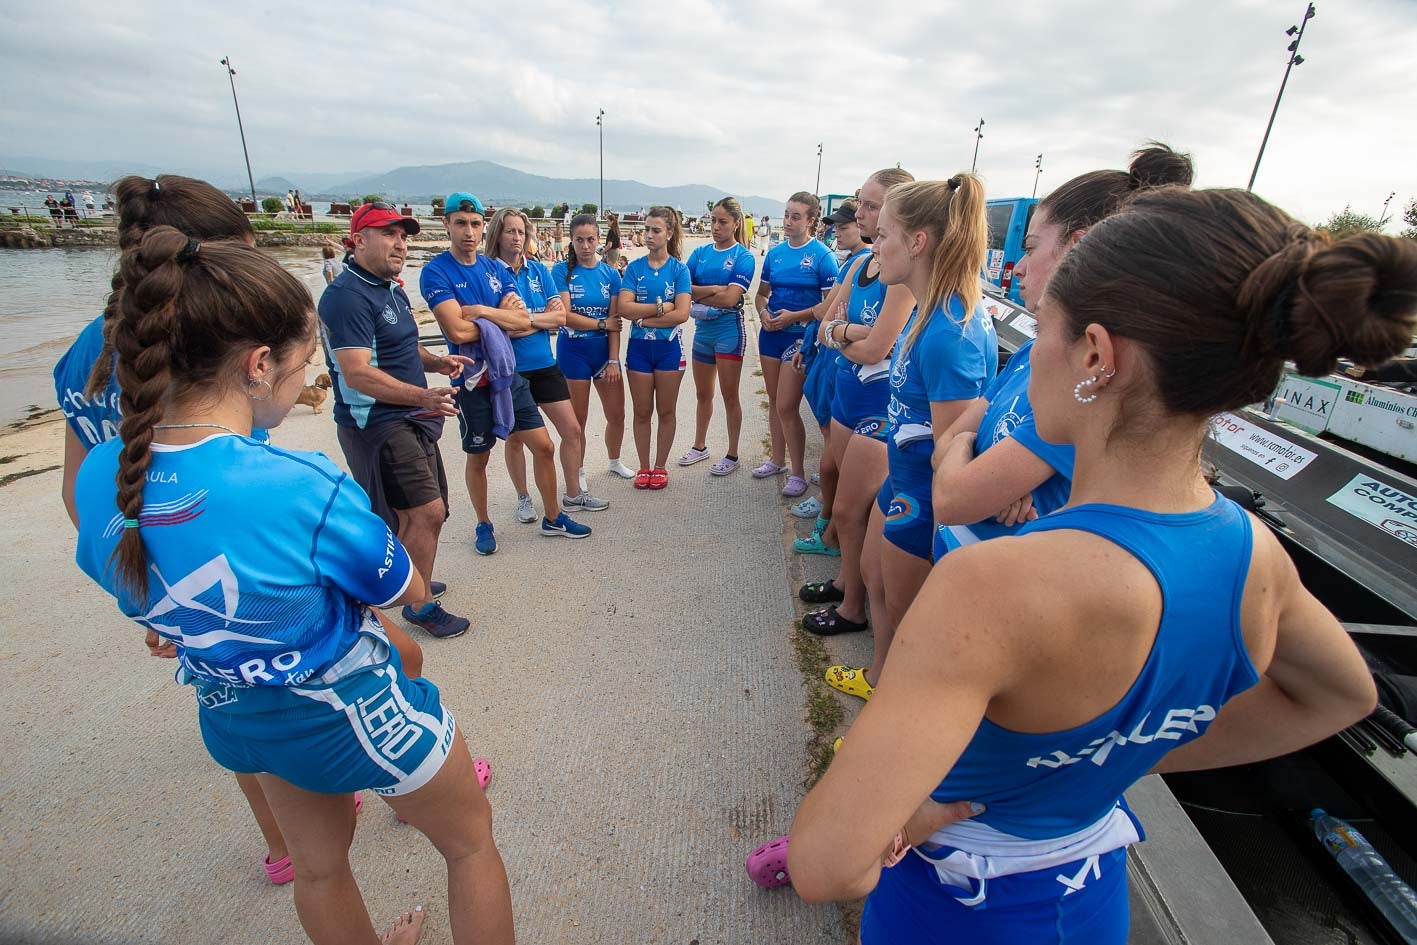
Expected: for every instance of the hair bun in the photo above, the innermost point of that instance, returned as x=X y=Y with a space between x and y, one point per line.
x=1159 y=165
x=1356 y=299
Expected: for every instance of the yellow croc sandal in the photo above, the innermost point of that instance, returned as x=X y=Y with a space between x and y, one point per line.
x=850 y=681
x=836 y=745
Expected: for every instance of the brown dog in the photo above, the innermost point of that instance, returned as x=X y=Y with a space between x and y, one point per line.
x=314 y=394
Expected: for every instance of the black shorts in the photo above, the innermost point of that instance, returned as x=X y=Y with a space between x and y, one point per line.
x=548 y=385
x=475 y=416
x=410 y=468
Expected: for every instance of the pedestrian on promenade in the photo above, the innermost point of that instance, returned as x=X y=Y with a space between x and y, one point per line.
x=612 y=235
x=90 y=398
x=474 y=297
x=721 y=274
x=873 y=316
x=387 y=418
x=655 y=299
x=558 y=238
x=330 y=267
x=796 y=276
x=588 y=345
x=537 y=365
x=1130 y=363
x=212 y=341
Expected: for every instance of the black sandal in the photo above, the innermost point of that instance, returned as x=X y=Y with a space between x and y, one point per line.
x=828 y=623
x=821 y=592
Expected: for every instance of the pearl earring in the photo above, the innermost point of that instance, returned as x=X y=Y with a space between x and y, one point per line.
x=1077 y=388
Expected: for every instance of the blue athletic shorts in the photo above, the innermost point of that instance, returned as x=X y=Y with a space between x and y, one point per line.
x=721 y=337
x=582 y=359
x=371 y=729
x=1081 y=903
x=778 y=345
x=820 y=386
x=861 y=408
x=907 y=501
x=476 y=418
x=647 y=355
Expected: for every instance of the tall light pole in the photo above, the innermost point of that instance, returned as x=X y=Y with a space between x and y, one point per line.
x=1294 y=60
x=600 y=124
x=1038 y=172
x=231 y=76
x=1382 y=217
x=978 y=133
x=818 y=188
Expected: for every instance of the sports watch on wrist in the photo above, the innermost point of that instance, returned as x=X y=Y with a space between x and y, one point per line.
x=600 y=324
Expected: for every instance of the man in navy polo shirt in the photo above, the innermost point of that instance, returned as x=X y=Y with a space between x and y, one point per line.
x=387 y=417
x=474 y=297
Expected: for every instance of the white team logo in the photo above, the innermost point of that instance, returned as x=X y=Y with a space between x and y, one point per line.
x=899 y=370
x=808 y=261
x=870 y=311
x=534 y=283
x=390 y=315
x=183 y=594
x=728 y=264
x=1009 y=422
x=494 y=283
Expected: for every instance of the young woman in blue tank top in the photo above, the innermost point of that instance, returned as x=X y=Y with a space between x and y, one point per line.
x=655 y=299
x=86 y=385
x=588 y=345
x=1034 y=704
x=720 y=275
x=993 y=471
x=259 y=565
x=874 y=315
x=796 y=275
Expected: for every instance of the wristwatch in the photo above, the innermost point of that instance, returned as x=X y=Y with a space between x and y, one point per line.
x=600 y=324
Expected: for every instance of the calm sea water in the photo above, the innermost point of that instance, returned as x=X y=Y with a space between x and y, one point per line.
x=51 y=294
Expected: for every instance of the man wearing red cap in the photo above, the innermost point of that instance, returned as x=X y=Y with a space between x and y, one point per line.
x=387 y=417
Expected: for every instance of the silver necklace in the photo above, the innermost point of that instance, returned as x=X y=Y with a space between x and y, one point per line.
x=190 y=426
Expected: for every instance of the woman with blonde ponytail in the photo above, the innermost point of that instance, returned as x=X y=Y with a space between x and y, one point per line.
x=262 y=568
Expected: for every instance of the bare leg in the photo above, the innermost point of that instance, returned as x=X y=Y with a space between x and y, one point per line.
x=642 y=398
x=882 y=630
x=612 y=401
x=789 y=415
x=666 y=399
x=580 y=406
x=418 y=532
x=730 y=372
x=275 y=842
x=516 y=463
x=827 y=469
x=704 y=382
x=475 y=473
x=570 y=429
x=863 y=469
x=904 y=575
x=453 y=813
x=543 y=463
x=772 y=369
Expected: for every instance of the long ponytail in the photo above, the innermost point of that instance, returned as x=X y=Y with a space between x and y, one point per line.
x=735 y=210
x=670 y=216
x=951 y=212
x=579 y=220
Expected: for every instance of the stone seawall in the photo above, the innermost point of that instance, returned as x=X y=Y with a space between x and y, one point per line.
x=29 y=237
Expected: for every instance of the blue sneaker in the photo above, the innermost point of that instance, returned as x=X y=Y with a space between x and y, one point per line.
x=486 y=541
x=437 y=621
x=565 y=526
x=437 y=589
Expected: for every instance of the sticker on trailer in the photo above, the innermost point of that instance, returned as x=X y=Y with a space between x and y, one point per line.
x=1306 y=402
x=1275 y=454
x=1026 y=324
x=998 y=310
x=1380 y=505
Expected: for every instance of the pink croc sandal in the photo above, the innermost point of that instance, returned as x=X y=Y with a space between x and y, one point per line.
x=767 y=865
x=281 y=871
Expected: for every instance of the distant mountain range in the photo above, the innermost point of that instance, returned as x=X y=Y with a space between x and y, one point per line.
x=496 y=184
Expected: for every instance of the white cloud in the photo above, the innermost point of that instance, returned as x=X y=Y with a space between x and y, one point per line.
x=727 y=92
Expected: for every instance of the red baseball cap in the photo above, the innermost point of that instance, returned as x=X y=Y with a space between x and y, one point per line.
x=380 y=214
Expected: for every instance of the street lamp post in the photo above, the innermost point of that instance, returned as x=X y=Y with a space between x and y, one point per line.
x=818 y=188
x=978 y=134
x=1382 y=217
x=600 y=124
x=1038 y=172
x=1294 y=60
x=231 y=76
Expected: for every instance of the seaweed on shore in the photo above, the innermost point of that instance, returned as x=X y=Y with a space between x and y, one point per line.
x=25 y=473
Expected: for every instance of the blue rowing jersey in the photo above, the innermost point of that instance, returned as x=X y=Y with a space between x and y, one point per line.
x=590 y=289
x=535 y=286
x=96 y=419
x=798 y=277
x=650 y=285
x=709 y=265
x=258 y=557
x=1047 y=786
x=484 y=281
x=951 y=359
x=1010 y=416
x=863 y=306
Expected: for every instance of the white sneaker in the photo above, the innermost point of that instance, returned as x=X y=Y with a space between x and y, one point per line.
x=620 y=469
x=526 y=512
x=582 y=479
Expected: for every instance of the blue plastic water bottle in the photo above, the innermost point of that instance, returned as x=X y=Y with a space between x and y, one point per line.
x=1384 y=888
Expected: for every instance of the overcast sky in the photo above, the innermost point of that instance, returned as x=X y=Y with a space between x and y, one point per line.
x=733 y=94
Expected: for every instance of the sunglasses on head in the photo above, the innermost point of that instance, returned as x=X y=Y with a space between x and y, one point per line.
x=382 y=205
x=467 y=206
